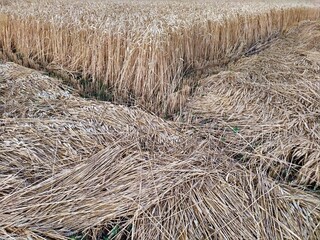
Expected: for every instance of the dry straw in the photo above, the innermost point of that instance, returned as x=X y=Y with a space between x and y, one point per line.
x=78 y=167
x=139 y=51
x=68 y=171
x=269 y=105
x=53 y=128
x=159 y=196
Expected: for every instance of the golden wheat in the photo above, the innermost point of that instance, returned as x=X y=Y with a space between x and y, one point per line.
x=76 y=167
x=139 y=51
x=71 y=166
x=273 y=99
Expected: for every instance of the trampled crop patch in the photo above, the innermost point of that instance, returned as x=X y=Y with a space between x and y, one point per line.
x=238 y=160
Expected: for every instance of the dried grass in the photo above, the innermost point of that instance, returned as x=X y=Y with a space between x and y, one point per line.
x=140 y=52
x=269 y=105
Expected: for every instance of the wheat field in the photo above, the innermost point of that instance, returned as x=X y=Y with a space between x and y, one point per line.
x=140 y=119
x=139 y=52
